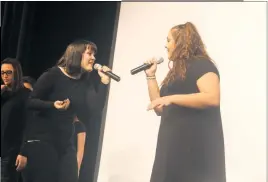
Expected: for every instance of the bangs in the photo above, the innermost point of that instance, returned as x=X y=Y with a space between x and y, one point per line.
x=91 y=46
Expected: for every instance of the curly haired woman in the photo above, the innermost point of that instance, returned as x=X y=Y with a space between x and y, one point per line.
x=190 y=145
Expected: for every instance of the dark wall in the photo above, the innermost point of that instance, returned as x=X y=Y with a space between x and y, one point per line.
x=37 y=33
x=63 y=22
x=50 y=26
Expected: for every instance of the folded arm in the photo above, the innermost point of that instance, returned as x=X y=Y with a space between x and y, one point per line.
x=208 y=96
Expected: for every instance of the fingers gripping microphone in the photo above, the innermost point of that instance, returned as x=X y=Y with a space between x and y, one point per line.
x=108 y=73
x=145 y=66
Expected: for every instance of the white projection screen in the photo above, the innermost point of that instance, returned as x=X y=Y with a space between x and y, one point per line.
x=235 y=37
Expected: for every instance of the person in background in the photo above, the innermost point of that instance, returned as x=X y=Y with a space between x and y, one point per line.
x=13 y=103
x=28 y=82
x=190 y=146
x=79 y=127
x=79 y=141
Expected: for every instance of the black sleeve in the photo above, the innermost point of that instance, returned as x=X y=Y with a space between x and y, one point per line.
x=94 y=103
x=201 y=67
x=96 y=96
x=24 y=147
x=79 y=127
x=101 y=96
x=23 y=119
x=5 y=96
x=42 y=88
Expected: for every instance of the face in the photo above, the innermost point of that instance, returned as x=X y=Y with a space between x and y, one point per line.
x=170 y=44
x=28 y=85
x=7 y=74
x=88 y=59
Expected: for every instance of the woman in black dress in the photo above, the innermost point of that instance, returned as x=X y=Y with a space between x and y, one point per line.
x=58 y=96
x=13 y=101
x=190 y=145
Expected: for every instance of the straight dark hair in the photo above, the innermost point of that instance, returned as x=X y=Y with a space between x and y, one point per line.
x=18 y=83
x=72 y=57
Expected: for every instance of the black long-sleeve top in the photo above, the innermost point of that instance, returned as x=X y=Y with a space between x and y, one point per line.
x=13 y=119
x=51 y=125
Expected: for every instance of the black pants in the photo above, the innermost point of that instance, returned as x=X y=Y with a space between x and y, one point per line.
x=46 y=164
x=8 y=169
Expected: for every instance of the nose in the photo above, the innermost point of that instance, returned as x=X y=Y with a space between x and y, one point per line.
x=93 y=58
x=166 y=45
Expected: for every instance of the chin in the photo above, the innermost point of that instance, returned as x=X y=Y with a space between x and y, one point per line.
x=89 y=69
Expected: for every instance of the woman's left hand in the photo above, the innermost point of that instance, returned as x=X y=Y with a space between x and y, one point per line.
x=104 y=78
x=159 y=102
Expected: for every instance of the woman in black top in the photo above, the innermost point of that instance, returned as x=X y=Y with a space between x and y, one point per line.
x=190 y=145
x=58 y=95
x=13 y=100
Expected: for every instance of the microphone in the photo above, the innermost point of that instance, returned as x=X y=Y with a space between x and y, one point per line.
x=145 y=66
x=108 y=73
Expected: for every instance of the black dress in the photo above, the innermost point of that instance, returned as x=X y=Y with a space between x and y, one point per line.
x=190 y=146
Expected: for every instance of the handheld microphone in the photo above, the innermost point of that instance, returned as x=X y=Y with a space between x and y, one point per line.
x=108 y=73
x=145 y=66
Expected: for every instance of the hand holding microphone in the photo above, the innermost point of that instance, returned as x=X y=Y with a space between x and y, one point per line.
x=106 y=73
x=149 y=66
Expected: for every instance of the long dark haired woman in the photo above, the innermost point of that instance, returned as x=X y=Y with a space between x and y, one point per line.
x=58 y=96
x=13 y=117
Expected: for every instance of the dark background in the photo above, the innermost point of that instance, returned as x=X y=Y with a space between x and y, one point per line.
x=37 y=34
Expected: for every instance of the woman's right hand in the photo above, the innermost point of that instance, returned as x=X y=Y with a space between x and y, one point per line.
x=62 y=105
x=151 y=71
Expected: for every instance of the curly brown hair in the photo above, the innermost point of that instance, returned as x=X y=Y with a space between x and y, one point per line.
x=188 y=47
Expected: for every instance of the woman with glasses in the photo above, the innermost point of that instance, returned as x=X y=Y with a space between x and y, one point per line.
x=13 y=99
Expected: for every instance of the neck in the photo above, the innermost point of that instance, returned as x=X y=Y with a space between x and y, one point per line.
x=68 y=75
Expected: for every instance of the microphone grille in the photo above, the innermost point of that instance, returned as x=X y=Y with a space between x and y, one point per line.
x=160 y=60
x=97 y=66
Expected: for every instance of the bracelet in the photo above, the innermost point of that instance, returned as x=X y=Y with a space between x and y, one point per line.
x=150 y=77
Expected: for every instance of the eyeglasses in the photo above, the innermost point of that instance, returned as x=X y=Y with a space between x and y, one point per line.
x=8 y=72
